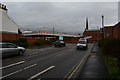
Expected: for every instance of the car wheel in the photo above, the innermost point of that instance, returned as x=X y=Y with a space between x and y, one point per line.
x=77 y=48
x=86 y=48
x=20 y=52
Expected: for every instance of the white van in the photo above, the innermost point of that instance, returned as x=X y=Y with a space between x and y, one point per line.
x=82 y=44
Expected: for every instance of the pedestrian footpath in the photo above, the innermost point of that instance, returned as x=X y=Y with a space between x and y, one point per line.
x=94 y=68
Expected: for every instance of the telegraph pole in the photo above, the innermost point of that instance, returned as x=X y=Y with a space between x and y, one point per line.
x=53 y=30
x=53 y=34
x=87 y=23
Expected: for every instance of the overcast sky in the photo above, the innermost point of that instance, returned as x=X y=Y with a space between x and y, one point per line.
x=63 y=16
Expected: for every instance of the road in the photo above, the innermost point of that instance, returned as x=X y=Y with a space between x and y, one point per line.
x=49 y=62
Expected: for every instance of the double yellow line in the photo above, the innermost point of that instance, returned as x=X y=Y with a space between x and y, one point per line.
x=75 y=68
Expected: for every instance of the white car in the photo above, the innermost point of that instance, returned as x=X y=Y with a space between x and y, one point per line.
x=11 y=49
x=82 y=39
x=82 y=44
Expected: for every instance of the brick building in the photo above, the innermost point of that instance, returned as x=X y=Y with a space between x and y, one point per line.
x=108 y=31
x=9 y=29
x=116 y=31
x=7 y=24
x=95 y=34
x=112 y=31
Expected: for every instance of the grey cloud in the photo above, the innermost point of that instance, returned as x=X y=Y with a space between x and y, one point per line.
x=64 y=16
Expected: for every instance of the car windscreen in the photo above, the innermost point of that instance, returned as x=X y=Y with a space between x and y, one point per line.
x=82 y=42
x=57 y=41
x=61 y=41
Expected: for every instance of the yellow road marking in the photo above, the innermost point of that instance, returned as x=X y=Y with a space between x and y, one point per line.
x=93 y=53
x=76 y=68
x=70 y=71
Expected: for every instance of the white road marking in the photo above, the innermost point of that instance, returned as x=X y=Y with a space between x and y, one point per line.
x=35 y=53
x=29 y=66
x=41 y=72
x=41 y=49
x=18 y=71
x=12 y=64
x=59 y=54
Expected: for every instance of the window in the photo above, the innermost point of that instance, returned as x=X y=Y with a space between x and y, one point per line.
x=11 y=46
x=3 y=46
x=82 y=42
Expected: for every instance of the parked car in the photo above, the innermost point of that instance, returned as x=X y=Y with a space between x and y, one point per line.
x=82 y=44
x=11 y=49
x=59 y=44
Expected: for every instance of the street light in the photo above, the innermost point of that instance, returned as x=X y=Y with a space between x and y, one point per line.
x=102 y=21
x=102 y=29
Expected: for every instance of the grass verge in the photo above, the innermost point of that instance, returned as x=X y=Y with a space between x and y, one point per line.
x=112 y=67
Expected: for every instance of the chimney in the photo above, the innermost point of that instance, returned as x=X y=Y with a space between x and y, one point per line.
x=2 y=6
x=86 y=23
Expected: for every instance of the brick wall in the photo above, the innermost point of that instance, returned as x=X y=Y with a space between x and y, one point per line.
x=96 y=35
x=108 y=31
x=71 y=40
x=116 y=31
x=11 y=37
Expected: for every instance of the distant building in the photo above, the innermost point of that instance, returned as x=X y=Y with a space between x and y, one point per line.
x=7 y=25
x=26 y=31
x=94 y=35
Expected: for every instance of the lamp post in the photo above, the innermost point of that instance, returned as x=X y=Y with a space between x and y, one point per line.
x=102 y=21
x=102 y=29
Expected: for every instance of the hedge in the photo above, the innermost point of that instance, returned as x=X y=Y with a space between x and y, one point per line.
x=21 y=42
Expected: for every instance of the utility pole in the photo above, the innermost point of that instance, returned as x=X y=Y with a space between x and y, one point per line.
x=53 y=30
x=44 y=32
x=53 y=34
x=87 y=23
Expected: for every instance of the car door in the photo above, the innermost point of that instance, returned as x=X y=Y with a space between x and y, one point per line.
x=12 y=49
x=4 y=49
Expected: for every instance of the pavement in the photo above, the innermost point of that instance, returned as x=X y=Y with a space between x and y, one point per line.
x=94 y=68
